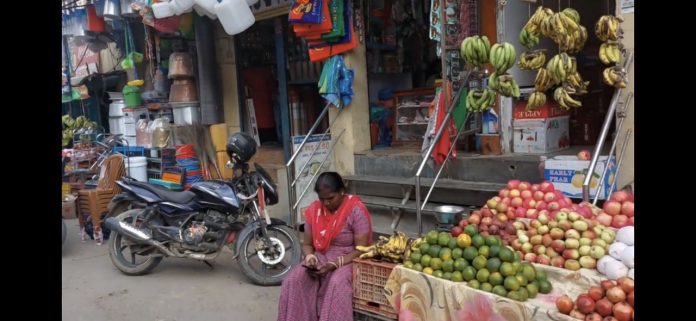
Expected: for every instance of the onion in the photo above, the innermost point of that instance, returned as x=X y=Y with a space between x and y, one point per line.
x=593 y=317
x=607 y=284
x=564 y=304
x=596 y=293
x=585 y=304
x=616 y=295
x=626 y=284
x=609 y=318
x=603 y=307
x=629 y=298
x=622 y=311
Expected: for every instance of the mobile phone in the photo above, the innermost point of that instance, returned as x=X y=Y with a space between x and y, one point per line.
x=310 y=268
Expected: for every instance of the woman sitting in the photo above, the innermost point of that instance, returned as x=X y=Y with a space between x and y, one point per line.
x=321 y=288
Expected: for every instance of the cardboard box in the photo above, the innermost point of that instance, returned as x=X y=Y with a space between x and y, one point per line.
x=540 y=136
x=69 y=209
x=218 y=135
x=548 y=110
x=490 y=144
x=567 y=174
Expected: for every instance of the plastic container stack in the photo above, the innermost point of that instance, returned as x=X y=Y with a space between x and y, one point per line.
x=186 y=159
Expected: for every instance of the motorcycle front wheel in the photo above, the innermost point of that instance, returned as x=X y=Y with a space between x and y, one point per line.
x=264 y=267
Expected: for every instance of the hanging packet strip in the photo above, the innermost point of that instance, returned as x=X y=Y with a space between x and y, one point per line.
x=321 y=53
x=309 y=31
x=345 y=39
x=336 y=8
x=306 y=11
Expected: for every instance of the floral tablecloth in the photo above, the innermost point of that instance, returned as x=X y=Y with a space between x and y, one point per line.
x=418 y=296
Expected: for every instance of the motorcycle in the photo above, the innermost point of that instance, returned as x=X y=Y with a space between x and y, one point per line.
x=199 y=223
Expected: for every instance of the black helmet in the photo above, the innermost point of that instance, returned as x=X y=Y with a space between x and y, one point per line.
x=241 y=147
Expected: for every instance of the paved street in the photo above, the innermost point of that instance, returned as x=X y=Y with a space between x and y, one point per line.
x=178 y=289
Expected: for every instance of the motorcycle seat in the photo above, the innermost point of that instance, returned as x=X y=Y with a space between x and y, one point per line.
x=166 y=195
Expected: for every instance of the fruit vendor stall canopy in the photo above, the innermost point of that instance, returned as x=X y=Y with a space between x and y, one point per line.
x=417 y=296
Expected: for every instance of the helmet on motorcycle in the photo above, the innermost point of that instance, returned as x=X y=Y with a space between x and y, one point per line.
x=241 y=147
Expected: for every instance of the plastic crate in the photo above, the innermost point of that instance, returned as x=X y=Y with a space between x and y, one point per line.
x=369 y=279
x=130 y=150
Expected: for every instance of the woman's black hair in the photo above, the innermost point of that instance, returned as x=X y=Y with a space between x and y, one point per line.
x=329 y=180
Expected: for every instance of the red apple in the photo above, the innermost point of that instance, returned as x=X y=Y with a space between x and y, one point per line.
x=463 y=223
x=526 y=194
x=504 y=192
x=456 y=231
x=604 y=219
x=558 y=261
x=523 y=186
x=554 y=206
x=513 y=183
x=486 y=212
x=630 y=221
x=532 y=213
x=535 y=187
x=558 y=245
x=520 y=212
x=529 y=203
x=517 y=201
x=589 y=234
x=627 y=208
x=530 y=257
x=549 y=196
x=619 y=221
x=538 y=196
x=612 y=208
x=546 y=186
x=486 y=221
x=541 y=205
x=584 y=155
x=619 y=196
x=502 y=207
x=543 y=259
x=514 y=193
x=506 y=201
x=546 y=240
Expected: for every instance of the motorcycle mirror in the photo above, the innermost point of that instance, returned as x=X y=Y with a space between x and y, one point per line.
x=229 y=165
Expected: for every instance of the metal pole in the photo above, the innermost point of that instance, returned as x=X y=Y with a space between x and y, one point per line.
x=602 y=136
x=316 y=148
x=311 y=131
x=613 y=146
x=294 y=207
x=419 y=217
x=618 y=165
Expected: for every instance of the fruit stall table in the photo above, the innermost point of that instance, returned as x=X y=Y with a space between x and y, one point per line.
x=418 y=296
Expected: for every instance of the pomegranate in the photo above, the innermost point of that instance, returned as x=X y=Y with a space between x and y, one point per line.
x=564 y=304
x=486 y=212
x=585 y=304
x=593 y=317
x=619 y=196
x=604 y=307
x=612 y=208
x=622 y=311
x=619 y=221
x=463 y=223
x=513 y=183
x=596 y=293
x=494 y=229
x=607 y=284
x=456 y=231
x=626 y=284
x=486 y=221
x=616 y=295
x=627 y=209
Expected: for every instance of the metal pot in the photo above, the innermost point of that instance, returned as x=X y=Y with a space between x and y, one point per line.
x=183 y=90
x=112 y=9
x=180 y=65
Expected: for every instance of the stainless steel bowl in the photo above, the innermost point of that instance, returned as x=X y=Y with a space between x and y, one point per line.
x=446 y=214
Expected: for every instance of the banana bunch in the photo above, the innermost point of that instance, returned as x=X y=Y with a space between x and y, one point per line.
x=502 y=56
x=531 y=60
x=608 y=27
x=475 y=50
x=536 y=100
x=615 y=76
x=504 y=84
x=479 y=100
x=79 y=125
x=560 y=67
x=533 y=25
x=575 y=84
x=562 y=97
x=572 y=42
x=527 y=39
x=67 y=136
x=68 y=121
x=610 y=53
x=391 y=249
x=543 y=80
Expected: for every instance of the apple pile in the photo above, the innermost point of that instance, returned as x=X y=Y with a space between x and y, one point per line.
x=617 y=212
x=619 y=262
x=490 y=222
x=567 y=241
x=611 y=301
x=525 y=200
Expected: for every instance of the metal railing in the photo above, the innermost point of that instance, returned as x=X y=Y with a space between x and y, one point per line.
x=603 y=136
x=293 y=200
x=460 y=130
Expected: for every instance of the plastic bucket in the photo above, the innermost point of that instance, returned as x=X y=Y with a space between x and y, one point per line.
x=136 y=167
x=132 y=96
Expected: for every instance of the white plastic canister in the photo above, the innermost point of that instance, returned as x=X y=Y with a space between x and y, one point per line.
x=234 y=15
x=136 y=167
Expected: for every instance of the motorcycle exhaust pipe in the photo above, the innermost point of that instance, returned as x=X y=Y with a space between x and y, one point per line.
x=135 y=234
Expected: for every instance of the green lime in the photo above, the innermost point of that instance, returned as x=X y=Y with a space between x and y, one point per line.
x=511 y=283
x=479 y=262
x=473 y=283
x=470 y=253
x=493 y=264
x=457 y=253
x=457 y=276
x=499 y=290
x=448 y=265
x=425 y=260
x=469 y=273
x=484 y=250
x=486 y=287
x=496 y=278
x=478 y=240
x=482 y=275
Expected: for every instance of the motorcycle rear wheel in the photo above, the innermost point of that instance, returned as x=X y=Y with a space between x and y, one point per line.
x=119 y=243
x=264 y=274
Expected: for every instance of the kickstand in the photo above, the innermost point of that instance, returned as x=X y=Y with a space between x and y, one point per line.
x=209 y=265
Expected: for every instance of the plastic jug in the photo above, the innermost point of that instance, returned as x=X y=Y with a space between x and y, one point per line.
x=235 y=16
x=182 y=6
x=206 y=7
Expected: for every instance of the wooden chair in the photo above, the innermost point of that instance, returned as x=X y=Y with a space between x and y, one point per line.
x=95 y=201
